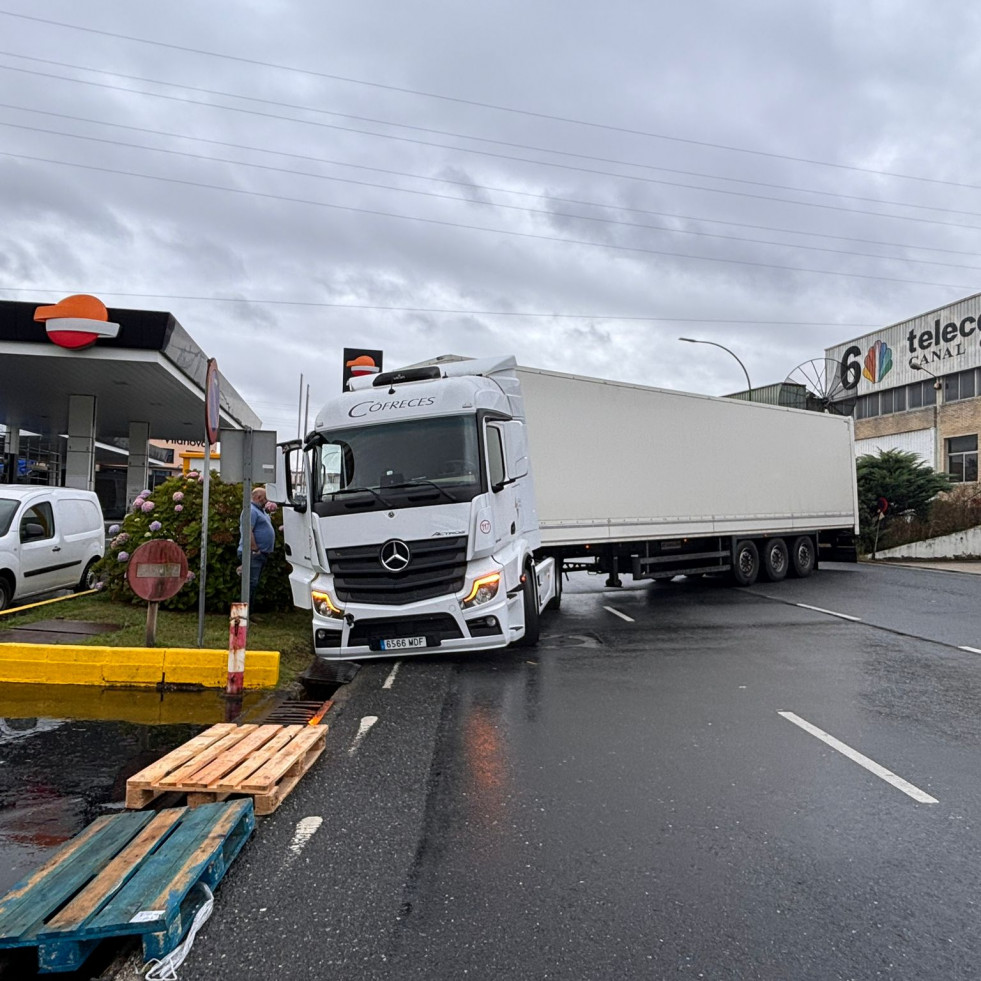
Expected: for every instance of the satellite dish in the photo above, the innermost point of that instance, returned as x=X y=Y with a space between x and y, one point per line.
x=817 y=385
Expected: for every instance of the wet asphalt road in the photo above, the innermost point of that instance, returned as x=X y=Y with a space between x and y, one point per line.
x=626 y=801
x=623 y=801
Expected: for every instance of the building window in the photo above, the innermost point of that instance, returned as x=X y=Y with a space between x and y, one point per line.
x=962 y=458
x=867 y=406
x=961 y=385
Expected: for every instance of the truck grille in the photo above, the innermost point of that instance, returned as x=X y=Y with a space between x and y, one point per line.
x=437 y=567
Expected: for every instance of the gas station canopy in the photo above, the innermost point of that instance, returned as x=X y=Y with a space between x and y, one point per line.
x=151 y=370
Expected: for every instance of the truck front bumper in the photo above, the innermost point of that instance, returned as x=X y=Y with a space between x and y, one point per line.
x=428 y=627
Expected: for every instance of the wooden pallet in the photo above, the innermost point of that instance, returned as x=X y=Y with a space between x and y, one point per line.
x=131 y=873
x=264 y=761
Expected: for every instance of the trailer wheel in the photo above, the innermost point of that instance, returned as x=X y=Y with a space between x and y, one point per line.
x=802 y=557
x=556 y=601
x=776 y=560
x=529 y=595
x=745 y=563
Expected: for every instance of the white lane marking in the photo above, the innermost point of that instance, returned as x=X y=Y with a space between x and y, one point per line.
x=880 y=771
x=970 y=650
x=831 y=613
x=366 y=723
x=617 y=613
x=391 y=675
x=305 y=830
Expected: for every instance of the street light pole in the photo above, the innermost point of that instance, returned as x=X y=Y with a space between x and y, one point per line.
x=749 y=384
x=938 y=385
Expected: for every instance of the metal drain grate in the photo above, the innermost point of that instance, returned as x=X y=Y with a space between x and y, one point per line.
x=298 y=713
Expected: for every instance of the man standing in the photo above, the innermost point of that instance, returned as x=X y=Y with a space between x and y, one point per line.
x=262 y=540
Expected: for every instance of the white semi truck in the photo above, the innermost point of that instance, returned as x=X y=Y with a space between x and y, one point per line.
x=436 y=507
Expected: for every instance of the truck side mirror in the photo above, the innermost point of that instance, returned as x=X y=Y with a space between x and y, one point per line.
x=515 y=450
x=281 y=491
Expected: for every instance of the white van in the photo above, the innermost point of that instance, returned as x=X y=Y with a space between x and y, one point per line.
x=50 y=538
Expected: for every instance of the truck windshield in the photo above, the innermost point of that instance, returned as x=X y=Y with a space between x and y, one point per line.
x=8 y=509
x=415 y=463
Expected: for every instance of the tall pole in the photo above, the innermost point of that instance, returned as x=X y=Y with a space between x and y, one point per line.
x=749 y=384
x=299 y=412
x=205 y=512
x=938 y=387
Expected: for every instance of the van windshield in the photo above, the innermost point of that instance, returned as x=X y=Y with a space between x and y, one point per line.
x=415 y=463
x=8 y=509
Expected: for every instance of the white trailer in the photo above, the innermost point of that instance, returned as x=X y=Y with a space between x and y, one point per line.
x=437 y=506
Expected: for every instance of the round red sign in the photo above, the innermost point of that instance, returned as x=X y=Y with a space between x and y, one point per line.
x=212 y=403
x=157 y=570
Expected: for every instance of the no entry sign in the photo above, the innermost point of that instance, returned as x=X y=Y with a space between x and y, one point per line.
x=157 y=570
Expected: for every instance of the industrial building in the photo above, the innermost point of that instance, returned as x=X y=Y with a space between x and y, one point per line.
x=916 y=386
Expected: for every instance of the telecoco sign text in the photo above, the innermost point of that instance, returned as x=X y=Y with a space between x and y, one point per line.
x=939 y=343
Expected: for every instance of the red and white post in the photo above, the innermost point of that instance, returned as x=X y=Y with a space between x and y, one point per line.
x=238 y=630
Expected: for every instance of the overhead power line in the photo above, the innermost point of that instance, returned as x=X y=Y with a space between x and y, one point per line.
x=545 y=212
x=454 y=311
x=463 y=149
x=479 y=228
x=470 y=185
x=485 y=105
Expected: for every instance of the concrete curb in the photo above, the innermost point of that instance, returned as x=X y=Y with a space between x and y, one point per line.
x=146 y=667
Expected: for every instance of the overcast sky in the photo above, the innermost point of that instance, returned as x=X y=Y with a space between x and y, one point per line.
x=575 y=183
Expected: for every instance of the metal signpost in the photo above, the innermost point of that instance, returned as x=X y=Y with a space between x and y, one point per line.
x=212 y=407
x=248 y=455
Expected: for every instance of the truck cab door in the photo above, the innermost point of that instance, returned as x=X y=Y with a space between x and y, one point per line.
x=291 y=491
x=503 y=499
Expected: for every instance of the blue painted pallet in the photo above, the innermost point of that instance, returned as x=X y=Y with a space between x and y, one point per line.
x=132 y=873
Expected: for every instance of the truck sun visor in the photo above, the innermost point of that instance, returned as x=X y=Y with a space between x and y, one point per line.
x=428 y=373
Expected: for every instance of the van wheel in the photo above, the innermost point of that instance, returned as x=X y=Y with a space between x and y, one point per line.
x=6 y=592
x=802 y=557
x=556 y=601
x=745 y=563
x=776 y=560
x=88 y=577
x=529 y=595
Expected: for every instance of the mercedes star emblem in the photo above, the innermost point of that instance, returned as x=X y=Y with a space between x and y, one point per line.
x=394 y=555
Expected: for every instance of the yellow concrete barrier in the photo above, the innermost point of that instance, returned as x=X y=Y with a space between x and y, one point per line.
x=65 y=664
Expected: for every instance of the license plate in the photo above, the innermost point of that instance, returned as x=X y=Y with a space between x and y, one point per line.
x=401 y=643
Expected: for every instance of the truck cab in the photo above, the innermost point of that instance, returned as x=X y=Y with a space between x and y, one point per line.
x=411 y=525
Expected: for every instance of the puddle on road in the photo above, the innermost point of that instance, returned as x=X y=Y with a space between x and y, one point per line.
x=66 y=752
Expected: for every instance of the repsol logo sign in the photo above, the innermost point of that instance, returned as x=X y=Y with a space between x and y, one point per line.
x=937 y=344
x=363 y=409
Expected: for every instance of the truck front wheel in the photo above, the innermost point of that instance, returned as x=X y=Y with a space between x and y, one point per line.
x=802 y=557
x=745 y=563
x=529 y=595
x=776 y=560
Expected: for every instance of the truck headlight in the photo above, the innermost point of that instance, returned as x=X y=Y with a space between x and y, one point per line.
x=325 y=606
x=483 y=591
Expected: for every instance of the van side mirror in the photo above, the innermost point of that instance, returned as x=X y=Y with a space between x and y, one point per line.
x=31 y=531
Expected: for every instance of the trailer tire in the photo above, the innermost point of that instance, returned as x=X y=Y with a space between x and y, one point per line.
x=745 y=563
x=776 y=559
x=529 y=596
x=556 y=601
x=803 y=557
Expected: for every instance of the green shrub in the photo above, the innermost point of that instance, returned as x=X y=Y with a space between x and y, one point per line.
x=906 y=482
x=175 y=514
